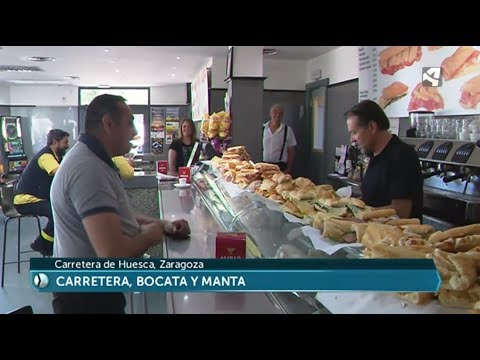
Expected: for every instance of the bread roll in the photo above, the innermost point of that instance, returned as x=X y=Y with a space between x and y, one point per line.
x=268 y=174
x=302 y=182
x=284 y=186
x=254 y=185
x=399 y=222
x=417 y=298
x=461 y=231
x=372 y=214
x=467 y=243
x=268 y=185
x=302 y=195
x=325 y=187
x=281 y=177
x=354 y=201
x=236 y=150
x=266 y=166
x=418 y=229
x=277 y=198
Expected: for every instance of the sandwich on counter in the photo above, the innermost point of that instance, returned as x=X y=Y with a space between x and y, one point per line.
x=392 y=93
x=425 y=97
x=395 y=58
x=470 y=93
x=462 y=62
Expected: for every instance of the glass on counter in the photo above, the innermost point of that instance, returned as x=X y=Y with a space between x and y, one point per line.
x=422 y=121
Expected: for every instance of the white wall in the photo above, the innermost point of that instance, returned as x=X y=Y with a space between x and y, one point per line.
x=4 y=95
x=248 y=61
x=281 y=74
x=284 y=74
x=168 y=95
x=219 y=66
x=338 y=65
x=44 y=95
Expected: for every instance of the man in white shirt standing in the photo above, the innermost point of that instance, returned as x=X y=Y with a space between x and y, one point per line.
x=278 y=141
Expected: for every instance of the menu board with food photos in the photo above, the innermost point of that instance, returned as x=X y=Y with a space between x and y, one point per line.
x=443 y=79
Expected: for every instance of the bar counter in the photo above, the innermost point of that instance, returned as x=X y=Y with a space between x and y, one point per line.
x=162 y=200
x=187 y=204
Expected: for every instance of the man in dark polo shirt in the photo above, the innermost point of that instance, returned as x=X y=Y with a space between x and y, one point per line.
x=91 y=209
x=393 y=178
x=33 y=188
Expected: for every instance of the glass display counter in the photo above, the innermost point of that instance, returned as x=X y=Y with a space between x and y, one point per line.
x=269 y=233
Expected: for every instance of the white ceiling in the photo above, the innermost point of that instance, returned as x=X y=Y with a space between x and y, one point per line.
x=126 y=65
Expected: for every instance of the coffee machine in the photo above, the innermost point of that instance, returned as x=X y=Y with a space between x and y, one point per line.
x=451 y=171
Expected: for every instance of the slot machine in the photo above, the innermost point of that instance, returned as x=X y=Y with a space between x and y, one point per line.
x=14 y=159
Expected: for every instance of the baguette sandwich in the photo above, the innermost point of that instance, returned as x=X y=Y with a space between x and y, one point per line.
x=392 y=93
x=339 y=230
x=457 y=232
x=368 y=215
x=395 y=58
x=425 y=97
x=236 y=150
x=470 y=93
x=462 y=62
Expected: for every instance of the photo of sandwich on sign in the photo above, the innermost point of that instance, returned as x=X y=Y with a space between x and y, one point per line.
x=395 y=58
x=392 y=93
x=470 y=93
x=463 y=61
x=425 y=98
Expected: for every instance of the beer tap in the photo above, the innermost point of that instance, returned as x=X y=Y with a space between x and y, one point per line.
x=430 y=169
x=450 y=178
x=471 y=173
x=445 y=169
x=463 y=174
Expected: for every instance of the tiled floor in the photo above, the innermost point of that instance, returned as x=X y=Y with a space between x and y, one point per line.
x=17 y=291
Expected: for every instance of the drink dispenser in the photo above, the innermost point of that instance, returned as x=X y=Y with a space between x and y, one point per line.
x=422 y=124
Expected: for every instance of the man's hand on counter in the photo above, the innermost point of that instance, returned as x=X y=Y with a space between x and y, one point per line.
x=178 y=229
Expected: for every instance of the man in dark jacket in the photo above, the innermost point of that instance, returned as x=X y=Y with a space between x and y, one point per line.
x=33 y=188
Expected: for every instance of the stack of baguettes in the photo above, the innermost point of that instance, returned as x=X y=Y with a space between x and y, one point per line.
x=315 y=204
x=236 y=153
x=455 y=252
x=318 y=205
x=235 y=166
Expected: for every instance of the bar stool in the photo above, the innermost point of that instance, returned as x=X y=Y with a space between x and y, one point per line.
x=7 y=194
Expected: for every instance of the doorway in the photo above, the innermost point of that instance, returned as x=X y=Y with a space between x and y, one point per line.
x=315 y=111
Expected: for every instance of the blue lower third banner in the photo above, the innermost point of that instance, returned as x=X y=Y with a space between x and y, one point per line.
x=227 y=275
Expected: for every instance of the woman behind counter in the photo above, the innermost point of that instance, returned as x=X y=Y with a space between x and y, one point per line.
x=181 y=148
